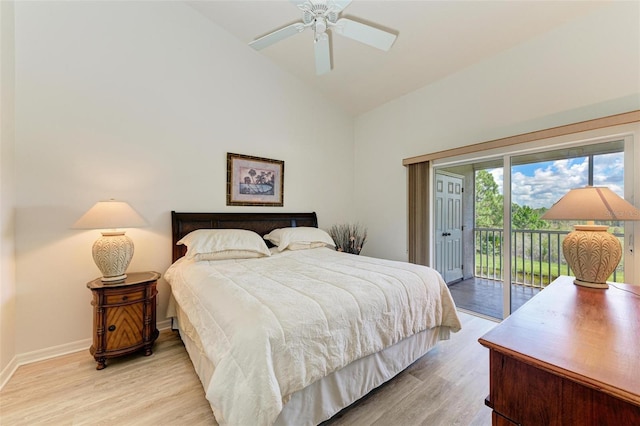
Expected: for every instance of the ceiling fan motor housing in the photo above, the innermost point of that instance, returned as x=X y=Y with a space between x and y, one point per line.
x=312 y=11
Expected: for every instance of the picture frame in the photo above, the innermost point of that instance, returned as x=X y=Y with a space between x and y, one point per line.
x=254 y=181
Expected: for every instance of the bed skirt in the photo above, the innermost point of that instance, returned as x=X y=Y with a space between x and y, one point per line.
x=324 y=398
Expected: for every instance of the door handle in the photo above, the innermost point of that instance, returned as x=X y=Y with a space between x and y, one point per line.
x=446 y=234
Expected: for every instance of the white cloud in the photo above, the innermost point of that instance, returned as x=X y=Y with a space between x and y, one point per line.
x=498 y=177
x=608 y=170
x=542 y=184
x=549 y=182
x=546 y=184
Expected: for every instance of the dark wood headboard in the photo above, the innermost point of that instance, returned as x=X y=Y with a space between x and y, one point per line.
x=262 y=223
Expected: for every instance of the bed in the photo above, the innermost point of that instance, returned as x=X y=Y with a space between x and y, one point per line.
x=294 y=336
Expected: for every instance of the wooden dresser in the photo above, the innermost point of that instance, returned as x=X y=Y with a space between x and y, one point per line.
x=124 y=316
x=569 y=356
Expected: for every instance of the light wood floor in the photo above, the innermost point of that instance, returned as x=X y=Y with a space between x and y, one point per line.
x=445 y=387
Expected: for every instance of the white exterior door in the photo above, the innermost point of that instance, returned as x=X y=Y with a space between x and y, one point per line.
x=448 y=225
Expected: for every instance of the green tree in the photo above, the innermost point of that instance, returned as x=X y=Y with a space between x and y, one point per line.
x=488 y=201
x=524 y=217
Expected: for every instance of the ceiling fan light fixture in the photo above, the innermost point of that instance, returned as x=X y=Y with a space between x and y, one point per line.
x=320 y=27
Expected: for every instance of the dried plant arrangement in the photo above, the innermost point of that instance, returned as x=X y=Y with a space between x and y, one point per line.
x=349 y=238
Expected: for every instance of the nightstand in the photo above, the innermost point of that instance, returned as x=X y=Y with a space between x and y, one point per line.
x=124 y=316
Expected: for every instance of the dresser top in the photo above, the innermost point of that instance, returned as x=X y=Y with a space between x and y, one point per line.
x=591 y=336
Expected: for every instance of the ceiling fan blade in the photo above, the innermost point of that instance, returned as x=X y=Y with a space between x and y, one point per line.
x=364 y=33
x=299 y=2
x=339 y=5
x=323 y=56
x=277 y=35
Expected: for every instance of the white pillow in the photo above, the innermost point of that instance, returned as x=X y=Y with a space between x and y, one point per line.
x=299 y=238
x=306 y=246
x=203 y=244
x=228 y=254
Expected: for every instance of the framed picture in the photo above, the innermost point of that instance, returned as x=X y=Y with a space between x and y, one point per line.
x=254 y=181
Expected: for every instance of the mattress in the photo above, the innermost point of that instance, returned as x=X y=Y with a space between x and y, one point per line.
x=271 y=328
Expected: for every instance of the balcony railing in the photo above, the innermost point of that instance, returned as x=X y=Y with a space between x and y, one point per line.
x=536 y=256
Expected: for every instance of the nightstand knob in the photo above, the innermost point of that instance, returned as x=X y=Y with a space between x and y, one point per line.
x=111 y=328
x=124 y=298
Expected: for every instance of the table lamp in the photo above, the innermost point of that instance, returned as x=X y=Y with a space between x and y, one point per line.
x=591 y=252
x=113 y=251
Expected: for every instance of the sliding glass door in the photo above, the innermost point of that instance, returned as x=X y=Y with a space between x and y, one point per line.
x=509 y=253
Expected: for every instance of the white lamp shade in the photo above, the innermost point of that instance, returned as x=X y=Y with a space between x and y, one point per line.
x=113 y=251
x=592 y=203
x=110 y=215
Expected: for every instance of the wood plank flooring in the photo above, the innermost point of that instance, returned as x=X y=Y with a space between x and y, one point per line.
x=445 y=387
x=485 y=296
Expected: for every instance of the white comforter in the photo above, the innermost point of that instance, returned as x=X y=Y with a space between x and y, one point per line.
x=274 y=325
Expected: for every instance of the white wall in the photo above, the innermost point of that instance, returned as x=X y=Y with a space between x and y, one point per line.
x=141 y=101
x=7 y=242
x=586 y=69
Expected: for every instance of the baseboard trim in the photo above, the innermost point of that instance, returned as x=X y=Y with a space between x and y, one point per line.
x=164 y=325
x=8 y=372
x=53 y=352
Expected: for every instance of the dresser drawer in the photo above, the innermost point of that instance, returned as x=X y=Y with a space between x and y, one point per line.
x=124 y=297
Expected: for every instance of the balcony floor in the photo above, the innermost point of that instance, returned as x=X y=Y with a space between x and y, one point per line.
x=485 y=296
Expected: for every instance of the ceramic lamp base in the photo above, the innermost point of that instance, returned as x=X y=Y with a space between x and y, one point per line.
x=113 y=280
x=592 y=254
x=112 y=253
x=589 y=284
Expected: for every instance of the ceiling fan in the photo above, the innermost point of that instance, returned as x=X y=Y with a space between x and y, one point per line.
x=322 y=15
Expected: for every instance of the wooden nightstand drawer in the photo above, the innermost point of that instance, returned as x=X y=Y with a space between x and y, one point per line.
x=125 y=297
x=124 y=326
x=124 y=316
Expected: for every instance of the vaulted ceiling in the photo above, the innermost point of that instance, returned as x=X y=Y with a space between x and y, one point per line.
x=435 y=39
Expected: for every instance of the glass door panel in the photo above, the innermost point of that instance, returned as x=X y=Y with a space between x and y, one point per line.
x=537 y=182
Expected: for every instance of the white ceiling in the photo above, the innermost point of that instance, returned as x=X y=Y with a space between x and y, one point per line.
x=435 y=39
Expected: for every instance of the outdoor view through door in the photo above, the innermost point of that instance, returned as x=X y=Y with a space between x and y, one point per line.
x=538 y=180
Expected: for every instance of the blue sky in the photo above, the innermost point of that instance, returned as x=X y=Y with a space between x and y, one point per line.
x=542 y=184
